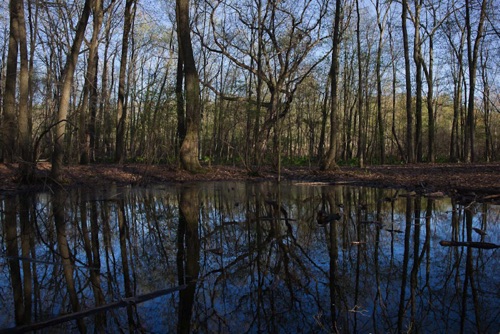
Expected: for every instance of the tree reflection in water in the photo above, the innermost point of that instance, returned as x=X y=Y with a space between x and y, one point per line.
x=247 y=257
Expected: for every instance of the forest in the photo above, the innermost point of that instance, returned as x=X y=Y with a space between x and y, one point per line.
x=249 y=82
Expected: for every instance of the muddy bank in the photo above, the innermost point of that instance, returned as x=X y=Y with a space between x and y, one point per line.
x=482 y=179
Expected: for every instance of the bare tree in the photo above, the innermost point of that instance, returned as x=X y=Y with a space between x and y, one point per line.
x=17 y=117
x=417 y=52
x=189 y=147
x=287 y=34
x=329 y=162
x=9 y=127
x=410 y=153
x=382 y=15
x=87 y=120
x=458 y=72
x=473 y=57
x=121 y=110
x=64 y=99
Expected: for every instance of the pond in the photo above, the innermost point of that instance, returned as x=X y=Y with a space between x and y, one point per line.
x=237 y=257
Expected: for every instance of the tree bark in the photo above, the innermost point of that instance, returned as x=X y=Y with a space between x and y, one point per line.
x=361 y=146
x=24 y=114
x=87 y=126
x=418 y=83
x=179 y=95
x=473 y=54
x=380 y=119
x=329 y=162
x=67 y=82
x=189 y=147
x=410 y=154
x=429 y=74
x=9 y=126
x=17 y=133
x=121 y=110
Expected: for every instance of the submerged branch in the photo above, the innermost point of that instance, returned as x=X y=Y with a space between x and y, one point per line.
x=85 y=313
x=483 y=245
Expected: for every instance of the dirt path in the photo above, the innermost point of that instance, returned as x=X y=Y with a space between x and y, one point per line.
x=448 y=178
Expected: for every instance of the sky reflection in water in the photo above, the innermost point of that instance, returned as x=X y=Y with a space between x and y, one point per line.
x=248 y=257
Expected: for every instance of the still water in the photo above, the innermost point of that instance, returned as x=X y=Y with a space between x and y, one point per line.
x=235 y=257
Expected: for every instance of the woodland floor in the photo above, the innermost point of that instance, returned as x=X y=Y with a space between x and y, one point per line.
x=481 y=179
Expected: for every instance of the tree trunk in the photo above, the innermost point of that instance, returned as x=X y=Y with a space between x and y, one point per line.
x=67 y=82
x=256 y=125
x=394 y=83
x=9 y=126
x=361 y=146
x=488 y=149
x=329 y=162
x=380 y=120
x=417 y=56
x=104 y=124
x=472 y=53
x=324 y=115
x=179 y=95
x=189 y=148
x=429 y=74
x=457 y=97
x=87 y=127
x=24 y=114
x=121 y=111
x=410 y=155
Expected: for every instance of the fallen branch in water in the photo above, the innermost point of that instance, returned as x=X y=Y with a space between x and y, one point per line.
x=473 y=244
x=85 y=313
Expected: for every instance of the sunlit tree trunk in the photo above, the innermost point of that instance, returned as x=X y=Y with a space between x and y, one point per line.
x=9 y=126
x=121 y=110
x=394 y=84
x=179 y=95
x=189 y=147
x=472 y=55
x=329 y=163
x=429 y=74
x=380 y=120
x=410 y=154
x=66 y=86
x=488 y=140
x=24 y=112
x=104 y=123
x=359 y=98
x=457 y=74
x=417 y=57
x=324 y=118
x=87 y=126
x=256 y=125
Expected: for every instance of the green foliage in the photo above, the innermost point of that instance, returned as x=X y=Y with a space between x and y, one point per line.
x=442 y=159
x=254 y=173
x=393 y=160
x=297 y=161
x=350 y=162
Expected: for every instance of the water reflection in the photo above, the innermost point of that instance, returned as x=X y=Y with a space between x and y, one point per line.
x=248 y=257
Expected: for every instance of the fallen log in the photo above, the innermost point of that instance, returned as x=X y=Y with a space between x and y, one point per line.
x=368 y=222
x=473 y=244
